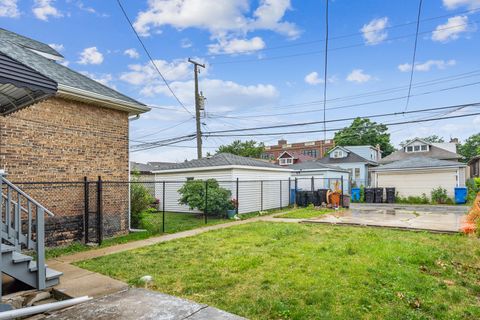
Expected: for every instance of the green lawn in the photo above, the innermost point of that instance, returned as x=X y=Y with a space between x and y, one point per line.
x=305 y=213
x=152 y=222
x=300 y=271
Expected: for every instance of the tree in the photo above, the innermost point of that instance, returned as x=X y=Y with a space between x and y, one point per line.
x=248 y=148
x=140 y=199
x=363 y=131
x=470 y=148
x=431 y=139
x=192 y=194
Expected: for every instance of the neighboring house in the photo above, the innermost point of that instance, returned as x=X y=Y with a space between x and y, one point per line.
x=59 y=125
x=419 y=148
x=351 y=159
x=316 y=175
x=474 y=165
x=314 y=149
x=419 y=175
x=227 y=168
x=288 y=158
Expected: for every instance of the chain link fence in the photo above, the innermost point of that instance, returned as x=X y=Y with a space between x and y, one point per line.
x=89 y=211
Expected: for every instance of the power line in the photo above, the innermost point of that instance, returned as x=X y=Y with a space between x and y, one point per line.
x=347 y=119
x=325 y=74
x=368 y=102
x=150 y=57
x=338 y=129
x=362 y=44
x=414 y=54
x=157 y=132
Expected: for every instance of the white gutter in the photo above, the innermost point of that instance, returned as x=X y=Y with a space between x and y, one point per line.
x=221 y=168
x=109 y=102
x=417 y=169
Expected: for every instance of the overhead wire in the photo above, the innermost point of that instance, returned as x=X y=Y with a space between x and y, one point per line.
x=414 y=54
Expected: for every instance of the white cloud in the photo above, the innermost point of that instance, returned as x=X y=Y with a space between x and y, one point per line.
x=451 y=29
x=65 y=63
x=218 y=17
x=313 y=79
x=147 y=74
x=57 y=46
x=105 y=78
x=91 y=56
x=476 y=120
x=186 y=43
x=358 y=76
x=453 y=4
x=237 y=46
x=42 y=9
x=9 y=9
x=427 y=65
x=374 y=32
x=132 y=53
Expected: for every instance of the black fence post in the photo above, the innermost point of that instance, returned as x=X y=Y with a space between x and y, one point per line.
x=313 y=184
x=261 y=195
x=289 y=191
x=281 y=205
x=99 y=211
x=163 y=207
x=86 y=211
x=206 y=202
x=341 y=194
x=238 y=202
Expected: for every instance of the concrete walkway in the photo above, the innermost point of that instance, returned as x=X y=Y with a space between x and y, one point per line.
x=142 y=304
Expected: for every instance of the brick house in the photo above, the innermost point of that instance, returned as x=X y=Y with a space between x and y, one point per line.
x=314 y=149
x=288 y=158
x=57 y=125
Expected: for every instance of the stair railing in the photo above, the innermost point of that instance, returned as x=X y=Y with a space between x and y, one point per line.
x=22 y=221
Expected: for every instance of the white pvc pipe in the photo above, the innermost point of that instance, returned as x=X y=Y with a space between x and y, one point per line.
x=23 y=312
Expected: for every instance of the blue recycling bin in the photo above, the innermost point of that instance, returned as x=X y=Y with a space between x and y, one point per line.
x=292 y=195
x=356 y=194
x=461 y=195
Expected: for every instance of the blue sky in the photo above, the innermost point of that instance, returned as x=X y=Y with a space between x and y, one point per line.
x=264 y=59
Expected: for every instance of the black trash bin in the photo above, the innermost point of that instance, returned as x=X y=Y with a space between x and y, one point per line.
x=369 y=195
x=322 y=196
x=378 y=195
x=390 y=195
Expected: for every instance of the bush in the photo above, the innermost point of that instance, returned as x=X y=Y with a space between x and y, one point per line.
x=362 y=193
x=413 y=199
x=439 y=195
x=473 y=187
x=193 y=195
x=140 y=200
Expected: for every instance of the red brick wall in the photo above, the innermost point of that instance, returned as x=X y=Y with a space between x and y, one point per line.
x=62 y=140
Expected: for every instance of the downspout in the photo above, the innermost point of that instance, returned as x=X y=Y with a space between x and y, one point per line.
x=129 y=176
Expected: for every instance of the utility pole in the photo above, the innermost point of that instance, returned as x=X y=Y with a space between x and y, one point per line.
x=198 y=104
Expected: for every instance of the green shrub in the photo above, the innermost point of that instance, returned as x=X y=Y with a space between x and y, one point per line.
x=439 y=195
x=140 y=200
x=473 y=187
x=413 y=199
x=192 y=194
x=362 y=193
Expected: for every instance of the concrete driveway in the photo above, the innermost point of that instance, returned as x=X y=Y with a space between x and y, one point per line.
x=447 y=219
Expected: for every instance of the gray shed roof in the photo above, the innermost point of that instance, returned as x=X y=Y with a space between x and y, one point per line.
x=434 y=153
x=219 y=160
x=141 y=167
x=315 y=165
x=59 y=73
x=418 y=163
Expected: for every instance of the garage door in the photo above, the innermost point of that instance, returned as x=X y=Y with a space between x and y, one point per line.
x=417 y=182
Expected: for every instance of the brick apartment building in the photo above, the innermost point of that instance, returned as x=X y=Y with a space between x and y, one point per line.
x=298 y=150
x=57 y=125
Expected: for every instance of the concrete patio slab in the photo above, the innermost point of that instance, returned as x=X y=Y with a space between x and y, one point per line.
x=141 y=304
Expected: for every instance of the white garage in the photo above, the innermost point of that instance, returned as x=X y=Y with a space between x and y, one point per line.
x=420 y=175
x=256 y=184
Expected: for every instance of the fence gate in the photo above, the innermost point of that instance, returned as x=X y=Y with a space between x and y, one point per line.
x=93 y=219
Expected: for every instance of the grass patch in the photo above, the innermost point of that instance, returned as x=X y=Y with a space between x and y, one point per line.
x=305 y=213
x=299 y=271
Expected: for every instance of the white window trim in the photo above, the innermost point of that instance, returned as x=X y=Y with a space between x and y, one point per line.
x=285 y=161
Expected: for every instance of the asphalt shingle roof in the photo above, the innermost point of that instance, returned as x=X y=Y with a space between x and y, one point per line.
x=57 y=72
x=419 y=162
x=221 y=159
x=312 y=165
x=434 y=153
x=141 y=167
x=352 y=157
x=13 y=37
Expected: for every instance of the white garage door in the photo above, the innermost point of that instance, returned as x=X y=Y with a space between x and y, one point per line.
x=417 y=182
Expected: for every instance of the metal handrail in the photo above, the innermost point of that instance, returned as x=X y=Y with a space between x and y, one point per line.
x=11 y=225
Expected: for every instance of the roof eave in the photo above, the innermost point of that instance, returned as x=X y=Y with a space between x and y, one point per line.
x=108 y=102
x=417 y=168
x=224 y=167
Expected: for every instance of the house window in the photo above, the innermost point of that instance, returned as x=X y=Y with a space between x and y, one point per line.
x=311 y=152
x=417 y=148
x=286 y=161
x=424 y=147
x=410 y=149
x=357 y=173
x=338 y=154
x=189 y=178
x=266 y=156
